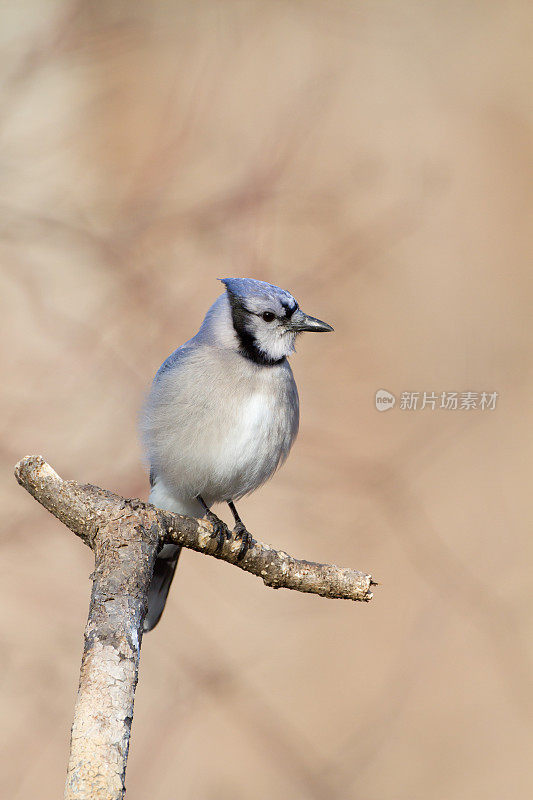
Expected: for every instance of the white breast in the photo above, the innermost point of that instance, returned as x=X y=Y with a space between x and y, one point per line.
x=220 y=429
x=256 y=418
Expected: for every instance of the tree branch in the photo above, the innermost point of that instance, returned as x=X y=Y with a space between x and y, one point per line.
x=125 y=536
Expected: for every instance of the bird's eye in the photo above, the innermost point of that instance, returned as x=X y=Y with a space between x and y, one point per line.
x=268 y=316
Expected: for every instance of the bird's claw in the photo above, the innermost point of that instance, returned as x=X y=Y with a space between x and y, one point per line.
x=247 y=541
x=220 y=531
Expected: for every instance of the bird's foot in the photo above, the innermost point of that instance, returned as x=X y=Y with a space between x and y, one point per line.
x=247 y=541
x=220 y=531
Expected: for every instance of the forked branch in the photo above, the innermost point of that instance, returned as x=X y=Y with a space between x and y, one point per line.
x=125 y=536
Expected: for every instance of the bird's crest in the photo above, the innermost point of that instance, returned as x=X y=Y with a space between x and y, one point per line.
x=249 y=289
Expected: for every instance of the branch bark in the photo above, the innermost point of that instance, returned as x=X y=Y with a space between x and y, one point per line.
x=125 y=536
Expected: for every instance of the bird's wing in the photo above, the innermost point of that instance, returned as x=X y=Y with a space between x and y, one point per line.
x=175 y=359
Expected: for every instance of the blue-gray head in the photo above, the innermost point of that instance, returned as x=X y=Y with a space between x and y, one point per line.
x=267 y=319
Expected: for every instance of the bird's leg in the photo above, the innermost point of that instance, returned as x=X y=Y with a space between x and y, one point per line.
x=240 y=531
x=219 y=529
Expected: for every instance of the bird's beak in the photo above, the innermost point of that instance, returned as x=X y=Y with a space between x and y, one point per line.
x=302 y=322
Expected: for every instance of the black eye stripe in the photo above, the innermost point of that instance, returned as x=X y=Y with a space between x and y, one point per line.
x=290 y=308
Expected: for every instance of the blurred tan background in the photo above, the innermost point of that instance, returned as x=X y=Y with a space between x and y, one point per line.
x=376 y=160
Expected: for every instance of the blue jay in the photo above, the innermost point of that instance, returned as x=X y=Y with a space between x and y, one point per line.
x=222 y=413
